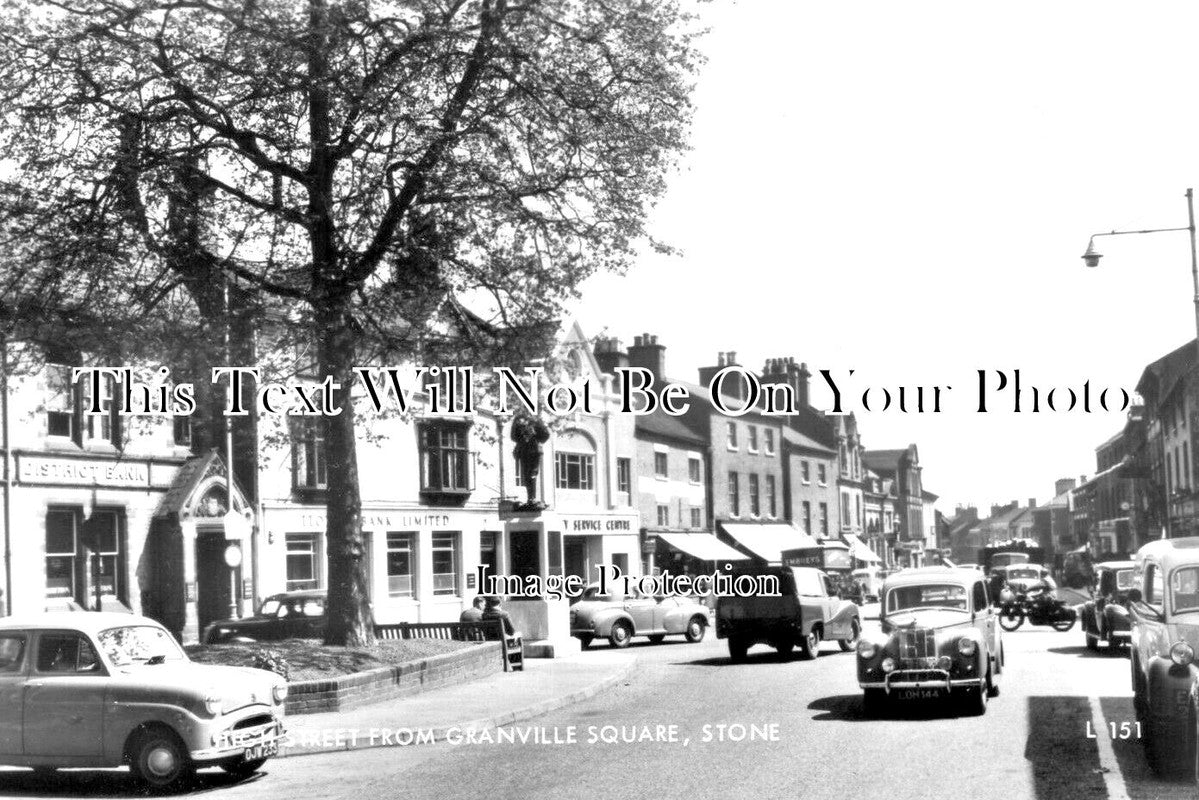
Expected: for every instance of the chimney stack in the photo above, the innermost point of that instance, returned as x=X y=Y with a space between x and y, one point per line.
x=609 y=355
x=647 y=353
x=1063 y=485
x=1032 y=502
x=732 y=386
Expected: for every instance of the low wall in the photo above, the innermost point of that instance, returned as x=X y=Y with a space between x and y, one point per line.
x=387 y=683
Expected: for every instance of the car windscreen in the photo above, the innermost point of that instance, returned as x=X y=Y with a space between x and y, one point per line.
x=1184 y=589
x=133 y=644
x=593 y=593
x=269 y=607
x=1023 y=574
x=930 y=595
x=1124 y=579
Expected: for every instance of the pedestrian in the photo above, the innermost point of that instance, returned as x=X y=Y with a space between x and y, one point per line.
x=494 y=611
x=514 y=647
x=475 y=612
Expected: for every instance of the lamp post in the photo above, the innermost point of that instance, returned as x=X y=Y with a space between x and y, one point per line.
x=1092 y=256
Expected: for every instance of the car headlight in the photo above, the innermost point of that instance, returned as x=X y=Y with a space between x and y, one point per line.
x=867 y=648
x=1181 y=653
x=279 y=692
x=967 y=646
x=213 y=702
x=888 y=664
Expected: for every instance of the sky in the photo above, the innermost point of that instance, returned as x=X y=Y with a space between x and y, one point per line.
x=906 y=190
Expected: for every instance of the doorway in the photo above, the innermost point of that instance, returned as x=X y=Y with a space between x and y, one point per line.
x=213 y=590
x=524 y=553
x=576 y=557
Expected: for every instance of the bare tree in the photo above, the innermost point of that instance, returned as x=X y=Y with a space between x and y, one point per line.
x=365 y=161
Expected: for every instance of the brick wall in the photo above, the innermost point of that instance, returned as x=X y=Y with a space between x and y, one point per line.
x=387 y=683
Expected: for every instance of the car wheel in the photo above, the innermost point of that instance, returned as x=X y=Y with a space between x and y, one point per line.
x=738 y=649
x=1011 y=618
x=159 y=760
x=620 y=635
x=810 y=647
x=1138 y=697
x=657 y=638
x=973 y=701
x=1092 y=641
x=696 y=629
x=852 y=642
x=243 y=769
x=1170 y=748
x=584 y=641
x=875 y=703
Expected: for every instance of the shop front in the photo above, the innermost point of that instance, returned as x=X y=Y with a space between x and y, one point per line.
x=421 y=563
x=83 y=523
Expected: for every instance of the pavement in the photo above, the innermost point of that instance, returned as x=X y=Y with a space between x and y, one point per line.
x=503 y=698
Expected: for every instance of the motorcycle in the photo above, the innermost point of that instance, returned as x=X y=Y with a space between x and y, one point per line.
x=1038 y=607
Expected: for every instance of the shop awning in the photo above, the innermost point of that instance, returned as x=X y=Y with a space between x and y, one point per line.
x=703 y=546
x=859 y=550
x=768 y=541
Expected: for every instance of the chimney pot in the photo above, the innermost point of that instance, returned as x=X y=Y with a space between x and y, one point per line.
x=732 y=357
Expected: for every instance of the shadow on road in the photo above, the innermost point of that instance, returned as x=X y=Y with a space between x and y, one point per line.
x=850 y=708
x=1063 y=760
x=1082 y=652
x=102 y=783
x=761 y=657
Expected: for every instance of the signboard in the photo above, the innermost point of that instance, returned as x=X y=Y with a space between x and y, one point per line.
x=826 y=558
x=76 y=472
x=189 y=592
x=600 y=524
x=247 y=589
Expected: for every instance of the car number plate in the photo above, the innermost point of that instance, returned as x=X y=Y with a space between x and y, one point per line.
x=264 y=750
x=919 y=694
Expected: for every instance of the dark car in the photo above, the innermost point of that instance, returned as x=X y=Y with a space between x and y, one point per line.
x=1105 y=616
x=290 y=615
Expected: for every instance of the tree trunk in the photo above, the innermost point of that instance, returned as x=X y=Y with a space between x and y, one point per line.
x=348 y=606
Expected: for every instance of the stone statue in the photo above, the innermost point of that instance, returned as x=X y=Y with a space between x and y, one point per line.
x=529 y=433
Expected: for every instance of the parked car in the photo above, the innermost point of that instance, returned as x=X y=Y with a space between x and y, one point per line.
x=105 y=689
x=1105 y=615
x=618 y=617
x=939 y=639
x=1164 y=608
x=290 y=615
x=806 y=611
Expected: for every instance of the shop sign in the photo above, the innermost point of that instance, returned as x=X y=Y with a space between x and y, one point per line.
x=599 y=524
x=392 y=521
x=71 y=472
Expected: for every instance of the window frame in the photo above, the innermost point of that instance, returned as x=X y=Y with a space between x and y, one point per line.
x=410 y=551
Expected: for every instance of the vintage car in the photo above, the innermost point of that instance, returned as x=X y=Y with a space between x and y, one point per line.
x=1105 y=615
x=104 y=689
x=1017 y=578
x=939 y=639
x=806 y=611
x=290 y=615
x=618 y=617
x=1163 y=604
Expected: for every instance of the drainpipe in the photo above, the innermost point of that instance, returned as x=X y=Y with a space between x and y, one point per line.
x=6 y=606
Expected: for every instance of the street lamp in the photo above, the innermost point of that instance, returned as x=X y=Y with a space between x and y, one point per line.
x=1092 y=256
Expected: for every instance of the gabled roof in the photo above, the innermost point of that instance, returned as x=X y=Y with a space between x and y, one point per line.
x=1160 y=377
x=886 y=460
